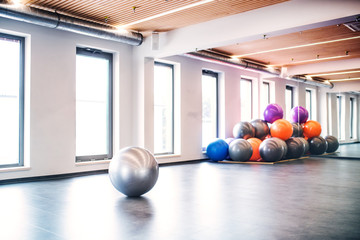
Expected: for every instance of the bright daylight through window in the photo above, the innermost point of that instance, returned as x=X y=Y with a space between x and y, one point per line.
x=246 y=103
x=163 y=108
x=209 y=107
x=93 y=105
x=11 y=101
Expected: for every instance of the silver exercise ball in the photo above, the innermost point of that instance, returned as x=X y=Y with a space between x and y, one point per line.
x=133 y=171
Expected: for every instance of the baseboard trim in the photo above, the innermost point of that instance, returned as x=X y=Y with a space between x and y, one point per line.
x=51 y=177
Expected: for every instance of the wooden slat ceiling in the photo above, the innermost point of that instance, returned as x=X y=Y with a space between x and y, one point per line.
x=271 y=50
x=118 y=13
x=316 y=44
x=336 y=75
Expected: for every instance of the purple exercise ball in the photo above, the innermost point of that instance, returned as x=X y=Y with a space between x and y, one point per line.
x=273 y=112
x=299 y=114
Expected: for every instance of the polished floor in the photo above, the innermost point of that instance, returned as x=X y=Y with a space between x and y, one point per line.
x=313 y=198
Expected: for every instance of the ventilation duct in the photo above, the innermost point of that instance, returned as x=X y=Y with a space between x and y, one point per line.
x=59 y=21
x=354 y=25
x=219 y=58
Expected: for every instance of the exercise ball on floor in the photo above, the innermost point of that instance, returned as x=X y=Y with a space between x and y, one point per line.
x=243 y=130
x=295 y=148
x=305 y=144
x=240 y=150
x=271 y=150
x=318 y=145
x=261 y=128
x=133 y=171
x=273 y=112
x=255 y=144
x=217 y=150
x=333 y=144
x=283 y=146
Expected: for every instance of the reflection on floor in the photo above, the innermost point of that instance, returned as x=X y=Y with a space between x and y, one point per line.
x=313 y=198
x=349 y=151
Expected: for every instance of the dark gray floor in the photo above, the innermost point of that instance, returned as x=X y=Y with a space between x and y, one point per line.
x=314 y=198
x=348 y=151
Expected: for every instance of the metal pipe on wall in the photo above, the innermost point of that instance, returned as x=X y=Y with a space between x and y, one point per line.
x=218 y=58
x=67 y=23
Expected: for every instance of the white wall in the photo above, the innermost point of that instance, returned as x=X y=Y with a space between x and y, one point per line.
x=50 y=98
x=326 y=102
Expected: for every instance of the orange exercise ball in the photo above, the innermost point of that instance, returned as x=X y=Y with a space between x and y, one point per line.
x=255 y=144
x=282 y=129
x=311 y=129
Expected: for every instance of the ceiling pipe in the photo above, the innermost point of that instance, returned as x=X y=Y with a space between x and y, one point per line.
x=63 y=22
x=214 y=57
x=252 y=66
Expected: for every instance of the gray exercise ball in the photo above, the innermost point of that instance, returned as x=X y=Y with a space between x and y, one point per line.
x=243 y=130
x=240 y=150
x=133 y=171
x=271 y=150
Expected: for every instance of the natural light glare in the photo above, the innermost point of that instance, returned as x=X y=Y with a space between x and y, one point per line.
x=163 y=109
x=209 y=109
x=308 y=103
x=9 y=101
x=353 y=118
x=265 y=95
x=288 y=101
x=246 y=100
x=92 y=79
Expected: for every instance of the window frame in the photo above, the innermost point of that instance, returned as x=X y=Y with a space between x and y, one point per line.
x=352 y=116
x=251 y=97
x=339 y=99
x=21 y=99
x=310 y=111
x=172 y=106
x=216 y=76
x=292 y=95
x=268 y=91
x=90 y=52
x=291 y=89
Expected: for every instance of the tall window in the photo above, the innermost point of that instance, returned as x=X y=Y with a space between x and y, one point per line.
x=93 y=105
x=339 y=116
x=308 y=100
x=209 y=107
x=289 y=100
x=163 y=108
x=353 y=120
x=265 y=98
x=246 y=103
x=11 y=101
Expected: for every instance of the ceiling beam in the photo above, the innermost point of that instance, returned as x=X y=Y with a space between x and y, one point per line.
x=275 y=20
x=330 y=66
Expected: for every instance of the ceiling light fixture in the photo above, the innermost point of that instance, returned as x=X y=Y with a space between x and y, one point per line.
x=344 y=79
x=166 y=13
x=298 y=46
x=333 y=73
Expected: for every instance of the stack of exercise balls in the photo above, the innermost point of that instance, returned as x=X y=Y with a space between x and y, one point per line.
x=273 y=138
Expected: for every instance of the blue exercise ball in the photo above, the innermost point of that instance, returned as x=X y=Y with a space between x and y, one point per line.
x=217 y=150
x=133 y=171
